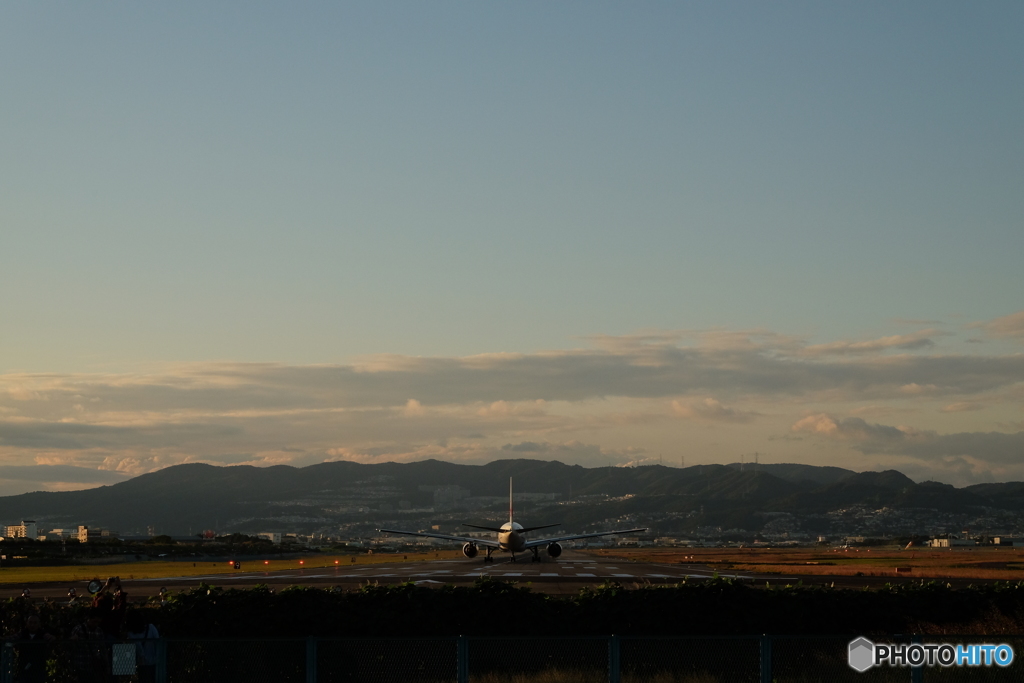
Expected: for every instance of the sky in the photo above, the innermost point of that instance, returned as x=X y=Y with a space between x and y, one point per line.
x=603 y=233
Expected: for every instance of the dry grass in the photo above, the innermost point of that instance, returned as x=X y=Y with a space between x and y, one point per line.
x=160 y=568
x=992 y=564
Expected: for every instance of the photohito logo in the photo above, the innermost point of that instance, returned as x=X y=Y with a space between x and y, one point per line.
x=863 y=654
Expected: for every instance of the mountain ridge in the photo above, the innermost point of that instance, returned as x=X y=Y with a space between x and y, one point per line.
x=195 y=496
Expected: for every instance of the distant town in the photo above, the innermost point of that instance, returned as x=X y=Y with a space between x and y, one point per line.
x=453 y=505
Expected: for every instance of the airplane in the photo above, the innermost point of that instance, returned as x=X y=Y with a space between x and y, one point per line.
x=511 y=537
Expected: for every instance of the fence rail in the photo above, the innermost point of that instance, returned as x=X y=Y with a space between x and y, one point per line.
x=611 y=659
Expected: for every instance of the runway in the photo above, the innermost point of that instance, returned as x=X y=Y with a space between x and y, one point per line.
x=566 y=575
x=468 y=571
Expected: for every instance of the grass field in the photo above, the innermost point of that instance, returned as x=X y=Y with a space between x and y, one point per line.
x=1002 y=564
x=157 y=569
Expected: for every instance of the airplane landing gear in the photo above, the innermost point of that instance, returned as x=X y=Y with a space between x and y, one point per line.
x=487 y=557
x=536 y=555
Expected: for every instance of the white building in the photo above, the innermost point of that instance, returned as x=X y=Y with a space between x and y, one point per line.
x=272 y=536
x=27 y=529
x=952 y=543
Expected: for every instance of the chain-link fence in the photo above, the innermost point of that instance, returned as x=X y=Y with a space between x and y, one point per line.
x=746 y=659
x=978 y=673
x=690 y=660
x=418 y=660
x=221 y=661
x=517 y=660
x=809 y=660
x=79 y=661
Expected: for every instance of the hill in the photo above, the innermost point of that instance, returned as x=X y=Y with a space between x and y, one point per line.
x=192 y=497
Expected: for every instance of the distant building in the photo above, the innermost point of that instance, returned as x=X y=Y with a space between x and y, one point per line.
x=951 y=542
x=272 y=536
x=87 y=535
x=27 y=529
x=55 y=534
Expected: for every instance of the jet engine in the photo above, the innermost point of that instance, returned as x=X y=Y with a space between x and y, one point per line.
x=554 y=550
x=469 y=550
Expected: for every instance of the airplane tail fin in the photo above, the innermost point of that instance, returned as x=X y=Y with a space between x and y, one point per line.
x=510 y=500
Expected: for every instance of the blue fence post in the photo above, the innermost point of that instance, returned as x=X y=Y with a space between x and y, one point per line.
x=614 y=660
x=310 y=660
x=161 y=660
x=766 y=658
x=462 y=659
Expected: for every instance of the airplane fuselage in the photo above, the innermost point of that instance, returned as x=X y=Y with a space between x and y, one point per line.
x=511 y=538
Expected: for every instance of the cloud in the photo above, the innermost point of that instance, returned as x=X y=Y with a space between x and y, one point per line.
x=878 y=411
x=906 y=342
x=569 y=452
x=16 y=479
x=614 y=391
x=852 y=428
x=77 y=436
x=710 y=410
x=728 y=364
x=872 y=439
x=962 y=407
x=1007 y=327
x=59 y=473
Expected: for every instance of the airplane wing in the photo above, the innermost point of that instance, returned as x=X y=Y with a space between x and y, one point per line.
x=545 y=541
x=460 y=539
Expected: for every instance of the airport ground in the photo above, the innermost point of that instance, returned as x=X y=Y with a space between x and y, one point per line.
x=572 y=572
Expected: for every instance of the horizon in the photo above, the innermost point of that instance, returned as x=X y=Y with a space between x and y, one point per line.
x=742 y=466
x=604 y=234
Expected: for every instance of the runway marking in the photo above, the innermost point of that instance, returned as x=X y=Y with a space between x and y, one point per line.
x=510 y=574
x=550 y=575
x=623 y=576
x=587 y=575
x=661 y=576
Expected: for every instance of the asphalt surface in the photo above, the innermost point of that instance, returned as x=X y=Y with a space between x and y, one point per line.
x=567 y=575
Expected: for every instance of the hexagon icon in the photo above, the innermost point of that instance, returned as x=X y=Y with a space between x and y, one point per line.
x=861 y=654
